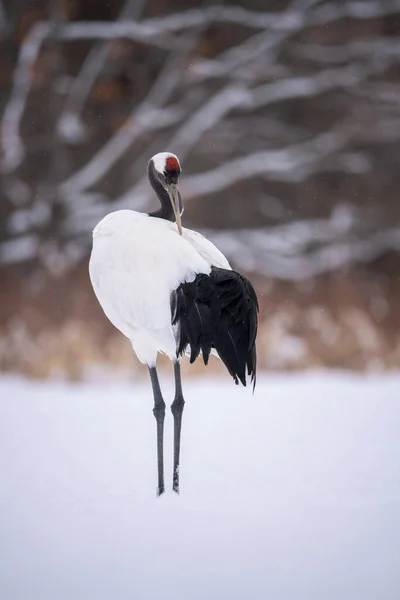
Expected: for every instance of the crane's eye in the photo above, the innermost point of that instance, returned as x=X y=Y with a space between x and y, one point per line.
x=171 y=175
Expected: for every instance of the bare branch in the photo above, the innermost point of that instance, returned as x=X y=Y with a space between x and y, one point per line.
x=289 y=164
x=148 y=116
x=11 y=143
x=268 y=20
x=19 y=249
x=151 y=30
x=233 y=97
x=354 y=10
x=3 y=18
x=229 y=94
x=382 y=49
x=106 y=30
x=97 y=167
x=70 y=126
x=287 y=24
x=282 y=252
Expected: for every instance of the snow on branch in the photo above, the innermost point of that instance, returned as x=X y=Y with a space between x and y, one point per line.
x=286 y=21
x=3 y=18
x=382 y=49
x=234 y=97
x=148 y=116
x=19 y=249
x=295 y=251
x=355 y=10
x=285 y=252
x=105 y=30
x=289 y=164
x=262 y=43
x=246 y=90
x=155 y=31
x=70 y=125
x=11 y=142
x=97 y=167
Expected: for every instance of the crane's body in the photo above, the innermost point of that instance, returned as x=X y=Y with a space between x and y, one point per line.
x=137 y=262
x=170 y=290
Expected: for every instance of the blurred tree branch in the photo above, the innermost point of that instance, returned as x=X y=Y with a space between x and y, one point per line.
x=256 y=104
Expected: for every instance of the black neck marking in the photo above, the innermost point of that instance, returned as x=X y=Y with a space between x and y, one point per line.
x=165 y=212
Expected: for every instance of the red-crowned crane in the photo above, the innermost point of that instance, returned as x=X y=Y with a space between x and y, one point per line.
x=170 y=290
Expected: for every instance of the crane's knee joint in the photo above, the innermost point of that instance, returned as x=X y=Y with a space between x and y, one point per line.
x=159 y=412
x=177 y=406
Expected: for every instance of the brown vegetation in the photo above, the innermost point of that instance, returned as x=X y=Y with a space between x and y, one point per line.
x=348 y=320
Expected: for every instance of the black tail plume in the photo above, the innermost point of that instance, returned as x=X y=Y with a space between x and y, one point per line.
x=220 y=311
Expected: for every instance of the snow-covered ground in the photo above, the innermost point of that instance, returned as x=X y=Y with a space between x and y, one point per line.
x=293 y=493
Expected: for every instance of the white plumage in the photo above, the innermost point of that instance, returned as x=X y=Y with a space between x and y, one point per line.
x=137 y=261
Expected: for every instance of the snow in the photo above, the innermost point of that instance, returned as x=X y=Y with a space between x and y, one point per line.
x=293 y=493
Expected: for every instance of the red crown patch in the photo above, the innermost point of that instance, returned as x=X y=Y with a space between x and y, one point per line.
x=171 y=164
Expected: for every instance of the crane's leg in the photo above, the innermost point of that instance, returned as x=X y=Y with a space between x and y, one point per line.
x=159 y=413
x=177 y=410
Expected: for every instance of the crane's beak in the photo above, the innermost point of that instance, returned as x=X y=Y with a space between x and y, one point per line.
x=174 y=197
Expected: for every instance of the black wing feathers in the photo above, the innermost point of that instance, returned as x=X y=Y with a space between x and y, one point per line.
x=218 y=311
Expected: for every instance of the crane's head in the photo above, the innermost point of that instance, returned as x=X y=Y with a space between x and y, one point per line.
x=166 y=169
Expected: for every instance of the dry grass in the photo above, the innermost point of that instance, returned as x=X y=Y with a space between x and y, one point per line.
x=54 y=327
